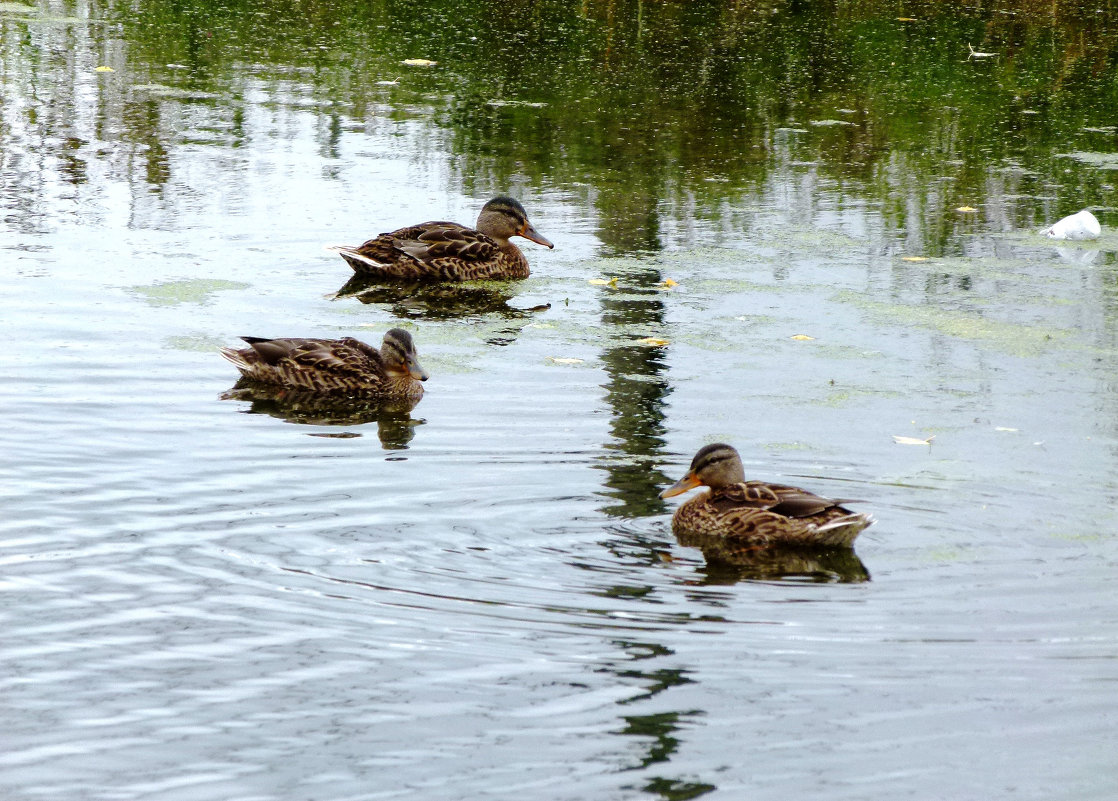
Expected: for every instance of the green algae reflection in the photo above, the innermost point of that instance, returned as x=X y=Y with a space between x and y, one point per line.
x=1013 y=338
x=190 y=290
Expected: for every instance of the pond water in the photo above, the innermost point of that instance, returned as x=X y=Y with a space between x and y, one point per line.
x=213 y=598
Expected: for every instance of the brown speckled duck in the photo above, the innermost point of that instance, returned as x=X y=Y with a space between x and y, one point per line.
x=446 y=251
x=755 y=513
x=335 y=366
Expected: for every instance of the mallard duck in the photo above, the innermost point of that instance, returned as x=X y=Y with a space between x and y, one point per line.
x=335 y=366
x=447 y=251
x=754 y=512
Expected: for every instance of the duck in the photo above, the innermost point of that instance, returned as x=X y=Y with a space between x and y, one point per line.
x=334 y=367
x=447 y=251
x=756 y=513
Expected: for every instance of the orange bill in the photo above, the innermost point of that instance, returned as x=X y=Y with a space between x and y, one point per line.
x=689 y=481
x=529 y=232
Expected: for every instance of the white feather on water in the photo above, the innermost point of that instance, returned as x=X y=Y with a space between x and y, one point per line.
x=1082 y=225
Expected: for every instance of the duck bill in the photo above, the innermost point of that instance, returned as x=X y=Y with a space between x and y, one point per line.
x=678 y=488
x=529 y=232
x=415 y=369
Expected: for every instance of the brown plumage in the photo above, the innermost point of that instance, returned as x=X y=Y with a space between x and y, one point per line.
x=335 y=366
x=446 y=251
x=755 y=513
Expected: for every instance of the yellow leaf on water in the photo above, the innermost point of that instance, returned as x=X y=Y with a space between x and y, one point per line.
x=914 y=258
x=564 y=360
x=652 y=341
x=668 y=283
x=913 y=440
x=419 y=62
x=103 y=69
x=802 y=337
x=906 y=19
x=604 y=282
x=966 y=209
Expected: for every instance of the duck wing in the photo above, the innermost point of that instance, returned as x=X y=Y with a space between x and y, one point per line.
x=430 y=241
x=346 y=356
x=779 y=499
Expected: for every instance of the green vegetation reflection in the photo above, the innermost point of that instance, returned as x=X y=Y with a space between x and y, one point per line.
x=651 y=112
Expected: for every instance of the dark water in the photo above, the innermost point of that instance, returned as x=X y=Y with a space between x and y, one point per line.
x=219 y=599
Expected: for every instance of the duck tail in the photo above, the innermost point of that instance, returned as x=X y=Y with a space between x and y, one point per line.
x=361 y=264
x=842 y=531
x=235 y=356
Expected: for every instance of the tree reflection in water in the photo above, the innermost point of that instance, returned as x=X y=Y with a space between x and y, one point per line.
x=637 y=385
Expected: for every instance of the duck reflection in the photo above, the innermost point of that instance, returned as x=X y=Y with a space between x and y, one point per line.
x=729 y=561
x=395 y=425
x=414 y=300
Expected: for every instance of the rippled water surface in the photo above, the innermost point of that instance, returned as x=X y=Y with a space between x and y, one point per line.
x=212 y=598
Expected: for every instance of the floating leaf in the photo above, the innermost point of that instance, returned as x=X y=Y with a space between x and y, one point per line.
x=604 y=282
x=906 y=19
x=103 y=69
x=802 y=337
x=656 y=341
x=668 y=283
x=419 y=62
x=914 y=258
x=966 y=209
x=913 y=440
x=564 y=360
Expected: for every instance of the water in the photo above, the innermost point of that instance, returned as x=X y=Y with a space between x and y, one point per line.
x=207 y=598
